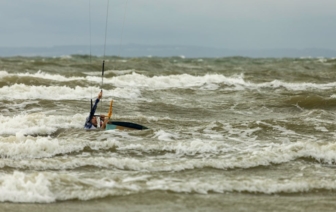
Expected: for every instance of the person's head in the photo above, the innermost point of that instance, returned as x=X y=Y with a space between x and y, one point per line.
x=94 y=121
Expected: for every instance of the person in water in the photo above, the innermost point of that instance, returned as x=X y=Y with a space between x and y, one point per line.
x=91 y=121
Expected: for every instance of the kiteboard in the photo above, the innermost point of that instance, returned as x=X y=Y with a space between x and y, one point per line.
x=121 y=125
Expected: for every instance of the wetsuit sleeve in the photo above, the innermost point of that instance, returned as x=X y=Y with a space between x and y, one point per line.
x=93 y=109
x=88 y=124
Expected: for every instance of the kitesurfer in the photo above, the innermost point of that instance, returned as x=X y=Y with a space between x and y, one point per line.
x=91 y=121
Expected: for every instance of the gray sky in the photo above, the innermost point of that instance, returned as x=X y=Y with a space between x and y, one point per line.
x=232 y=24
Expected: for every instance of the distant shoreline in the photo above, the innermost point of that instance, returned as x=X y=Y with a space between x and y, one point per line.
x=135 y=50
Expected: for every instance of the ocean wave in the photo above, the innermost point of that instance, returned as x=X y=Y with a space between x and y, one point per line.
x=109 y=151
x=20 y=187
x=21 y=92
x=206 y=82
x=313 y=101
x=38 y=123
x=46 y=187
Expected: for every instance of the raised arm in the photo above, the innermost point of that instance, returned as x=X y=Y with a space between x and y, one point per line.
x=94 y=108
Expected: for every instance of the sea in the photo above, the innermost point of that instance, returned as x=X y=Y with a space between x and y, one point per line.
x=225 y=134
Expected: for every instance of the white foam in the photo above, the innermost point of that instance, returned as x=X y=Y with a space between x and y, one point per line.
x=207 y=82
x=282 y=130
x=165 y=136
x=321 y=128
x=42 y=75
x=38 y=123
x=240 y=156
x=171 y=81
x=241 y=184
x=20 y=146
x=20 y=187
x=21 y=91
x=27 y=147
x=296 y=86
x=49 y=187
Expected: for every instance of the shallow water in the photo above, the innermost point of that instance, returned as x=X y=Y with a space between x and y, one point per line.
x=225 y=133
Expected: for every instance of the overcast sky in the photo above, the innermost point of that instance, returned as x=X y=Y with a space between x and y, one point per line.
x=235 y=24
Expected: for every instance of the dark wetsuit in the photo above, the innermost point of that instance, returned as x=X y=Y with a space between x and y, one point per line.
x=88 y=124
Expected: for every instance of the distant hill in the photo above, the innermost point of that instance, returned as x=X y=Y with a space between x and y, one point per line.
x=135 y=50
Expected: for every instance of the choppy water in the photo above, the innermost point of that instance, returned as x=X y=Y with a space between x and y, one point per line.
x=225 y=133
